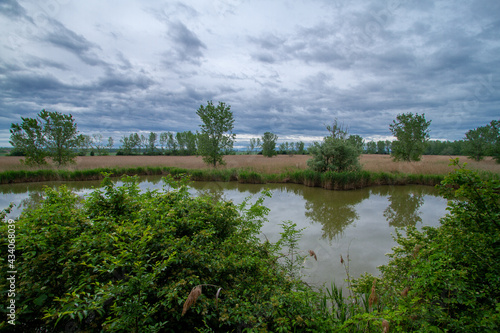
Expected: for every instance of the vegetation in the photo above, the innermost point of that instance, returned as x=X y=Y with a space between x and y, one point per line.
x=216 y=137
x=122 y=260
x=412 y=136
x=163 y=261
x=269 y=144
x=51 y=134
x=483 y=141
x=444 y=279
x=337 y=152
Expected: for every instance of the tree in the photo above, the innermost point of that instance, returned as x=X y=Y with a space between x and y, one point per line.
x=412 y=136
x=51 y=134
x=269 y=144
x=216 y=136
x=85 y=144
x=28 y=137
x=371 y=147
x=336 y=153
x=151 y=143
x=482 y=141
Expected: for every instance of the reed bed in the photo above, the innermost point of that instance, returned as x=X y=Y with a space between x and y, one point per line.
x=377 y=170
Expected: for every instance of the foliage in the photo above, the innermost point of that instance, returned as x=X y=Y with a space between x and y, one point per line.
x=29 y=137
x=124 y=260
x=483 y=141
x=412 y=134
x=216 y=137
x=445 y=279
x=269 y=144
x=50 y=134
x=337 y=152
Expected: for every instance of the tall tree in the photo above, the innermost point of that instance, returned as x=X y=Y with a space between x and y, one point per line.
x=412 y=134
x=151 y=143
x=51 y=134
x=216 y=137
x=481 y=141
x=269 y=144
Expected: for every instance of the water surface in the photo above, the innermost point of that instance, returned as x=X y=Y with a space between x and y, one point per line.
x=357 y=223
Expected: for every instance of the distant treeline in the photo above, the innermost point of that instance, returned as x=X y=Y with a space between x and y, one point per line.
x=433 y=147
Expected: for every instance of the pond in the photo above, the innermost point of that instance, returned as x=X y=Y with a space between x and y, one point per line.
x=358 y=223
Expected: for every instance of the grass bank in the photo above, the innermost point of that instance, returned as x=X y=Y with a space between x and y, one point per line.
x=327 y=180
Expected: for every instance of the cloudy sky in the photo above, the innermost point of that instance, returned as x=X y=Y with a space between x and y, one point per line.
x=289 y=67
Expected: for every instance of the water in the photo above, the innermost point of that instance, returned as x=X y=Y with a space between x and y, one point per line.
x=356 y=223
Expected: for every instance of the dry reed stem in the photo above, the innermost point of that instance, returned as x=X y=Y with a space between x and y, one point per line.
x=416 y=250
x=277 y=164
x=373 y=295
x=193 y=296
x=385 y=325
x=313 y=254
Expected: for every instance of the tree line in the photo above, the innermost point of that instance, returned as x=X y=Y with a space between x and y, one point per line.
x=55 y=136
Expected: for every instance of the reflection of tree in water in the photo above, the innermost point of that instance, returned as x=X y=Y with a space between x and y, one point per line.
x=213 y=190
x=34 y=198
x=403 y=209
x=335 y=210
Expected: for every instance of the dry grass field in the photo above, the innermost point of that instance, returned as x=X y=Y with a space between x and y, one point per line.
x=429 y=165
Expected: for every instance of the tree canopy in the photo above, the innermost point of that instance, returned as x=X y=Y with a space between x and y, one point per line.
x=50 y=134
x=269 y=144
x=216 y=137
x=338 y=152
x=412 y=133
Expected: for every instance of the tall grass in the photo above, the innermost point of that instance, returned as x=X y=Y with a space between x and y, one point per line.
x=328 y=180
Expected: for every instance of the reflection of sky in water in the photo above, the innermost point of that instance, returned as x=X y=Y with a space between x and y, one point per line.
x=366 y=236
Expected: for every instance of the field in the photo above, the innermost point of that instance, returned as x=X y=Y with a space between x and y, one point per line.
x=429 y=165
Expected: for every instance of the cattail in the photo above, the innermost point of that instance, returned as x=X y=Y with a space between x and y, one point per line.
x=217 y=297
x=313 y=254
x=373 y=295
x=193 y=296
x=416 y=250
x=404 y=293
x=385 y=325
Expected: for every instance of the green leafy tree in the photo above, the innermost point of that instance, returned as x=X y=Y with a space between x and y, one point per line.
x=85 y=144
x=51 y=134
x=336 y=153
x=412 y=133
x=371 y=147
x=151 y=148
x=495 y=147
x=29 y=138
x=482 y=141
x=216 y=137
x=269 y=144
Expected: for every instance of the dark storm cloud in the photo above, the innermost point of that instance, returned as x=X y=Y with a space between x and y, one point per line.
x=12 y=9
x=185 y=45
x=68 y=40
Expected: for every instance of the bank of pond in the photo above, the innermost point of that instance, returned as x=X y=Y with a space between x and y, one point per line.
x=328 y=180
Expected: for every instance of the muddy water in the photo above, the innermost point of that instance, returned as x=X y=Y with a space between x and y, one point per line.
x=356 y=223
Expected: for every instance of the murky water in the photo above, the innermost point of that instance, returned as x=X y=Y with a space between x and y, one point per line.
x=356 y=223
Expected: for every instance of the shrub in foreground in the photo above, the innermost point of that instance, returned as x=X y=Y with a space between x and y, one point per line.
x=122 y=260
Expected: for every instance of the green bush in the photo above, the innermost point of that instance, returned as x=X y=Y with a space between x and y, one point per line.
x=121 y=260
x=445 y=279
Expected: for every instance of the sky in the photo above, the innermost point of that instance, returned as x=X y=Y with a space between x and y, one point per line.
x=284 y=66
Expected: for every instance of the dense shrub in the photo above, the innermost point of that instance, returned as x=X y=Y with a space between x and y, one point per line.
x=446 y=278
x=122 y=260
